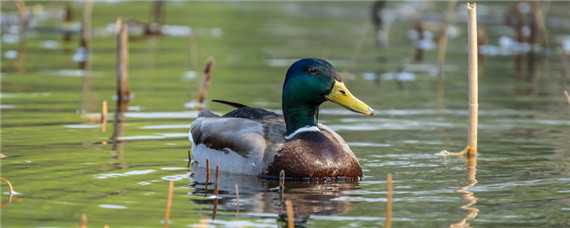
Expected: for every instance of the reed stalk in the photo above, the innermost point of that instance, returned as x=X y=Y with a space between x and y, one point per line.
x=567 y=96
x=85 y=39
x=281 y=184
x=24 y=16
x=168 y=206
x=442 y=52
x=123 y=94
x=471 y=148
x=10 y=186
x=218 y=175
x=237 y=198
x=290 y=214
x=83 y=221
x=203 y=91
x=389 y=201
x=156 y=18
x=67 y=20
x=442 y=44
x=104 y=113
x=473 y=81
x=207 y=172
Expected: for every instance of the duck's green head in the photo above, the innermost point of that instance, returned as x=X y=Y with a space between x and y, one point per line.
x=310 y=82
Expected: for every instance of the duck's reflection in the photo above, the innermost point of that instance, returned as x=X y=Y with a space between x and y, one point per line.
x=261 y=196
x=468 y=196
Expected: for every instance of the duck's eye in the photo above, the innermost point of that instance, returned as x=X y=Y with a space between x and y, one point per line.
x=313 y=71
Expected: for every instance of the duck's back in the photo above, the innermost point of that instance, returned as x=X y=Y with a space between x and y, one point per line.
x=243 y=141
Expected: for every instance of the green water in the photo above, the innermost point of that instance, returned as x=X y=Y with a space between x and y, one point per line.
x=60 y=168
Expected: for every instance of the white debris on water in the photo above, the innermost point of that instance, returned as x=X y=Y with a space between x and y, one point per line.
x=176 y=30
x=112 y=206
x=80 y=55
x=11 y=54
x=129 y=173
x=50 y=44
x=190 y=75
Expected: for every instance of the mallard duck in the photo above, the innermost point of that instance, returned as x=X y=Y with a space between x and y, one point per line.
x=254 y=141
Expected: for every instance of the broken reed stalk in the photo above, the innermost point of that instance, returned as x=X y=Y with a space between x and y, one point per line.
x=290 y=214
x=203 y=223
x=442 y=50
x=10 y=186
x=216 y=191
x=85 y=39
x=203 y=91
x=123 y=94
x=518 y=27
x=281 y=184
x=419 y=53
x=24 y=16
x=218 y=175
x=389 y=201
x=104 y=111
x=237 y=198
x=156 y=18
x=166 y=219
x=207 y=172
x=83 y=221
x=67 y=20
x=538 y=22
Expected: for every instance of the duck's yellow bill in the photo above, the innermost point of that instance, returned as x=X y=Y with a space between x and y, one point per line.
x=342 y=96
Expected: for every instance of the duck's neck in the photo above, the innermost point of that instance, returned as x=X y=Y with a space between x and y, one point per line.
x=300 y=116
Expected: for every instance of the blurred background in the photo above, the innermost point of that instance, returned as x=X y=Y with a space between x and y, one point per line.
x=61 y=163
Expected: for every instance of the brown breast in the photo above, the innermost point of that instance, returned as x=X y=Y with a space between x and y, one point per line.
x=315 y=154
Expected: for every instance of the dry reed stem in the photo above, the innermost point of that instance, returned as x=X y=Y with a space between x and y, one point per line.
x=83 y=221
x=85 y=39
x=567 y=96
x=203 y=91
x=2 y=156
x=473 y=81
x=122 y=79
x=237 y=198
x=168 y=206
x=471 y=148
x=442 y=51
x=104 y=113
x=207 y=172
x=539 y=21
x=203 y=223
x=106 y=226
x=10 y=186
x=24 y=16
x=218 y=175
x=281 y=184
x=290 y=214
x=67 y=20
x=22 y=10
x=123 y=60
x=389 y=201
